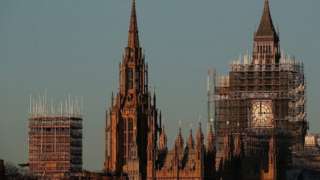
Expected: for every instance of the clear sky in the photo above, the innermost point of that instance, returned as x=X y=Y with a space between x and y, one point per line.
x=74 y=46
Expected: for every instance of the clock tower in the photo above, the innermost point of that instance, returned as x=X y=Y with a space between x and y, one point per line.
x=262 y=100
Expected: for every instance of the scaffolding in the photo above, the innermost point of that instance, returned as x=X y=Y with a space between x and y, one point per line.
x=210 y=91
x=55 y=137
x=282 y=83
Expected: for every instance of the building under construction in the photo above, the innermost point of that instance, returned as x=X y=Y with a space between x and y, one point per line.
x=55 y=138
x=261 y=102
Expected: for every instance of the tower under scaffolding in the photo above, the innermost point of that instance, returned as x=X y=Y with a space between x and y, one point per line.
x=55 y=138
x=282 y=84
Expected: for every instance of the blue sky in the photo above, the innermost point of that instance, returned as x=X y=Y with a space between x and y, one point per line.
x=74 y=47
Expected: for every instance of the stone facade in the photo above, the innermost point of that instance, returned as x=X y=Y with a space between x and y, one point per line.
x=259 y=118
x=262 y=100
x=134 y=127
x=195 y=160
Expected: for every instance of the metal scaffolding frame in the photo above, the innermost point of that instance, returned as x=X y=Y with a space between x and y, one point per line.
x=55 y=137
x=283 y=82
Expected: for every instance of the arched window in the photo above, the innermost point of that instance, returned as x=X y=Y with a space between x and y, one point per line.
x=130 y=78
x=130 y=132
x=128 y=138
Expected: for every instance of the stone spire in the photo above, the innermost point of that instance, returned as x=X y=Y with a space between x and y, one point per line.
x=133 y=39
x=179 y=140
x=190 y=140
x=266 y=27
x=162 y=140
x=199 y=136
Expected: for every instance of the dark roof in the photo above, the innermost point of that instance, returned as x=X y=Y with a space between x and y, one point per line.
x=266 y=27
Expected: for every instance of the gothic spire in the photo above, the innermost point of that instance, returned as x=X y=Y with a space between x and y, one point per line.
x=162 y=140
x=133 y=39
x=179 y=140
x=199 y=136
x=190 y=140
x=266 y=27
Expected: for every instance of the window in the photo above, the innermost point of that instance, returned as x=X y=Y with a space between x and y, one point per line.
x=128 y=137
x=130 y=134
x=125 y=135
x=130 y=78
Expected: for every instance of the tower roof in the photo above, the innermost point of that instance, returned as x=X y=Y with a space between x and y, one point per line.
x=133 y=39
x=266 y=27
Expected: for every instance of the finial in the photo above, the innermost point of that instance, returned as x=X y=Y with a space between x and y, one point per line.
x=112 y=99
x=160 y=119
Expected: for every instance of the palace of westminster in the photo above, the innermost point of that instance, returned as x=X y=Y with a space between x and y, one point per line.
x=259 y=118
x=257 y=130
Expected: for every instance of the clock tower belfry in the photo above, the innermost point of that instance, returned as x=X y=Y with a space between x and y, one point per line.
x=266 y=45
x=262 y=97
x=132 y=126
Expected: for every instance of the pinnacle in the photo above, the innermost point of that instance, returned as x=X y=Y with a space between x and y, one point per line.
x=266 y=27
x=133 y=39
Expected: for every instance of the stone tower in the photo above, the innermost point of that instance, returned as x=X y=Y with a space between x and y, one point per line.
x=132 y=118
x=262 y=97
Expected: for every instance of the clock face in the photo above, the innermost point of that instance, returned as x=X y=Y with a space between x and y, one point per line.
x=261 y=113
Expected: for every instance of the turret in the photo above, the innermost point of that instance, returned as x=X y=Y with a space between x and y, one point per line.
x=162 y=140
x=199 y=137
x=190 y=140
x=179 y=141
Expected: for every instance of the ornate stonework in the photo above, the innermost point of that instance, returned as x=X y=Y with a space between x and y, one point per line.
x=134 y=127
x=259 y=118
